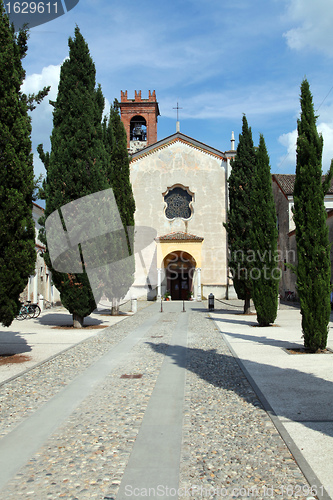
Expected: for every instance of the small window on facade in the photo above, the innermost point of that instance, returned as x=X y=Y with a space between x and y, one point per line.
x=178 y=202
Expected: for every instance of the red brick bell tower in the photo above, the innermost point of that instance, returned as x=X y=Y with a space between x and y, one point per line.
x=139 y=117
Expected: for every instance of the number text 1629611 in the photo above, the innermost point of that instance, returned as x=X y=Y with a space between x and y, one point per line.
x=31 y=8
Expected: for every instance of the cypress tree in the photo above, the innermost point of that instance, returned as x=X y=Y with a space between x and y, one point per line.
x=118 y=177
x=118 y=171
x=265 y=273
x=313 y=250
x=17 y=234
x=76 y=164
x=239 y=215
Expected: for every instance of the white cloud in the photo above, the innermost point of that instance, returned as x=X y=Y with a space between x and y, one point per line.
x=42 y=121
x=42 y=115
x=107 y=106
x=289 y=142
x=253 y=100
x=48 y=77
x=326 y=129
x=314 y=30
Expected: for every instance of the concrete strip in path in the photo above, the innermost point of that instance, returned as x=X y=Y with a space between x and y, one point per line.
x=36 y=340
x=24 y=440
x=298 y=387
x=153 y=466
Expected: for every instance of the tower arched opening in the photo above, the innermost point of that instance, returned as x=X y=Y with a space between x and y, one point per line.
x=138 y=129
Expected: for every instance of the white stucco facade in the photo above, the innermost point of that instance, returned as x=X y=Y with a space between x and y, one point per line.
x=201 y=171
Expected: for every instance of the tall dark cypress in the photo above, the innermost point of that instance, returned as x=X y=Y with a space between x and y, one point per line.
x=17 y=234
x=118 y=177
x=313 y=251
x=265 y=273
x=118 y=171
x=239 y=215
x=76 y=165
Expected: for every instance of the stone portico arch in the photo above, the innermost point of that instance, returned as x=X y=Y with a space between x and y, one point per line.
x=179 y=265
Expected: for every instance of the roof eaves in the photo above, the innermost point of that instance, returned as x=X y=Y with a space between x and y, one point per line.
x=177 y=137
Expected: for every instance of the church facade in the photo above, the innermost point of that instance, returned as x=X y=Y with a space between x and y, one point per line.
x=180 y=191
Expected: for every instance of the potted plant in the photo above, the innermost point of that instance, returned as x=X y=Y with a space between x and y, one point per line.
x=167 y=295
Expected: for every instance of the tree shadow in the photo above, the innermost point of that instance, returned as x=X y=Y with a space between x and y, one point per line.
x=263 y=339
x=64 y=319
x=12 y=343
x=249 y=321
x=291 y=304
x=239 y=321
x=308 y=399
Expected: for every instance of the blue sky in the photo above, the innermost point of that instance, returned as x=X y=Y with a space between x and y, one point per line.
x=218 y=59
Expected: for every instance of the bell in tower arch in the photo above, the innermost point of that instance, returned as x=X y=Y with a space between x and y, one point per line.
x=139 y=117
x=138 y=129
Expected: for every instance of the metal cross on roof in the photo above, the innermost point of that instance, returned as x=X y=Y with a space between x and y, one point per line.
x=177 y=108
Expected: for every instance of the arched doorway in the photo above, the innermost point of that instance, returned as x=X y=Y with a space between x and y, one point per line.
x=179 y=269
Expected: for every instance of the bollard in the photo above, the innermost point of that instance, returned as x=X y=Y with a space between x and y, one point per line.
x=41 y=302
x=183 y=306
x=134 y=305
x=161 y=305
x=211 y=302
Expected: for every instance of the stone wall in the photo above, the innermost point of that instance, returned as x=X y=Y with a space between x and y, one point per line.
x=286 y=242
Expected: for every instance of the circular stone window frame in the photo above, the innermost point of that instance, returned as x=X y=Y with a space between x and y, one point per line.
x=191 y=207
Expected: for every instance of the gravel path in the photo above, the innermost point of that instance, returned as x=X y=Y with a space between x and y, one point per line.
x=25 y=394
x=230 y=447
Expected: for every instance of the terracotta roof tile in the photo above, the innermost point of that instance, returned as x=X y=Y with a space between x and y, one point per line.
x=179 y=236
x=287 y=183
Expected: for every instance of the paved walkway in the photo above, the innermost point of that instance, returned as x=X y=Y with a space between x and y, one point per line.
x=296 y=389
x=157 y=405
x=29 y=342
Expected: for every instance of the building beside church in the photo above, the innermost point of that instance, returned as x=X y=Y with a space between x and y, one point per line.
x=40 y=286
x=283 y=191
x=180 y=191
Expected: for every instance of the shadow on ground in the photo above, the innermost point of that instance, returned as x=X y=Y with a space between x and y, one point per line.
x=12 y=343
x=251 y=321
x=300 y=404
x=58 y=319
x=262 y=339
